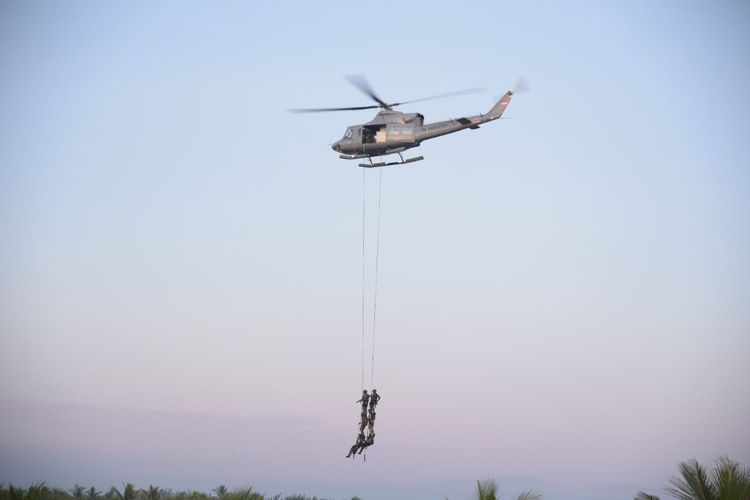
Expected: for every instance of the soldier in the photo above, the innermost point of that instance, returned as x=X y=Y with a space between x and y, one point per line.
x=364 y=400
x=359 y=445
x=370 y=440
x=374 y=398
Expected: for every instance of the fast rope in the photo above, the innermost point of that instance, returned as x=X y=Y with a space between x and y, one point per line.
x=364 y=197
x=375 y=298
x=364 y=276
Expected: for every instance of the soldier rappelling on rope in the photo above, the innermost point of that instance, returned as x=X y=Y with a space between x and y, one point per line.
x=367 y=420
x=358 y=446
x=374 y=399
x=365 y=399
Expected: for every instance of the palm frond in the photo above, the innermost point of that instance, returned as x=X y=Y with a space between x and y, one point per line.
x=692 y=483
x=645 y=496
x=15 y=493
x=487 y=489
x=529 y=495
x=729 y=480
x=36 y=491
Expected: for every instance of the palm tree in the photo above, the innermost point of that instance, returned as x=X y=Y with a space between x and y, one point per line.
x=92 y=494
x=727 y=481
x=152 y=493
x=78 y=492
x=36 y=491
x=128 y=493
x=15 y=493
x=487 y=490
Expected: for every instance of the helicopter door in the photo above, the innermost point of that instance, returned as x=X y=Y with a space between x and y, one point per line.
x=373 y=133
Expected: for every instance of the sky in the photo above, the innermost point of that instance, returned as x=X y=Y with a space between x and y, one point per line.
x=562 y=296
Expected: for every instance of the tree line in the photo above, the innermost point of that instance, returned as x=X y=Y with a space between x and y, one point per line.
x=725 y=480
x=40 y=491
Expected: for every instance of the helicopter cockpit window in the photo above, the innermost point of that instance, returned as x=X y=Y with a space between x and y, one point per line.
x=348 y=134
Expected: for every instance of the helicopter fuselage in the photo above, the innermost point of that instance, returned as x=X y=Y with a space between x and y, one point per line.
x=393 y=131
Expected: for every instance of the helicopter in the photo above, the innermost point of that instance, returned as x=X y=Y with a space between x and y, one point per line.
x=393 y=132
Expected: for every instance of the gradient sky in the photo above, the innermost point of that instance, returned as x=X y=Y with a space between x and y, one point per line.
x=563 y=297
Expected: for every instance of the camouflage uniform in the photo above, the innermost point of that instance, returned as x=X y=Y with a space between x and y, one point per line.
x=364 y=400
x=358 y=446
x=370 y=439
x=374 y=398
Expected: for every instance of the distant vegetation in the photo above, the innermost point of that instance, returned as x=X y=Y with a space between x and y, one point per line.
x=487 y=490
x=727 y=480
x=40 y=491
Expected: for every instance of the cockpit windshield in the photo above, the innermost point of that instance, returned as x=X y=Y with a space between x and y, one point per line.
x=348 y=133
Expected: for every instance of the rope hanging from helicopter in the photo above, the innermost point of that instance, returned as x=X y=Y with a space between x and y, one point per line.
x=364 y=227
x=364 y=307
x=375 y=291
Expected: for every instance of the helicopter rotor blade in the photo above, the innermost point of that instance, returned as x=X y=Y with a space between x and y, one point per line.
x=362 y=84
x=323 y=110
x=474 y=90
x=520 y=86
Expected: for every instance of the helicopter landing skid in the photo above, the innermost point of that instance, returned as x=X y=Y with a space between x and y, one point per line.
x=388 y=164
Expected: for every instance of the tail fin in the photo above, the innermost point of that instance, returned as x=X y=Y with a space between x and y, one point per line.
x=498 y=109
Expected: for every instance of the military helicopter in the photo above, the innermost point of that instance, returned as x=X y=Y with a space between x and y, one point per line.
x=393 y=132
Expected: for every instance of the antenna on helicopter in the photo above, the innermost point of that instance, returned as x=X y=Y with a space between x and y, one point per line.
x=364 y=86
